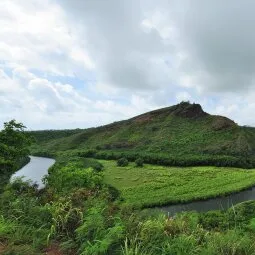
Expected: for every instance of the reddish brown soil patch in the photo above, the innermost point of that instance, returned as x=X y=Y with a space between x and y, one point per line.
x=2 y=248
x=222 y=123
x=53 y=250
x=143 y=118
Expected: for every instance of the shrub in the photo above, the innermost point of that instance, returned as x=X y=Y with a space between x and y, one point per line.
x=99 y=234
x=213 y=220
x=71 y=177
x=241 y=214
x=96 y=165
x=122 y=162
x=231 y=242
x=139 y=162
x=113 y=192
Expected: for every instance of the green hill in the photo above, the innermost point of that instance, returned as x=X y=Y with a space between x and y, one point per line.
x=182 y=134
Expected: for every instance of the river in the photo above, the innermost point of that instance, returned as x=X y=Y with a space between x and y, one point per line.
x=217 y=203
x=35 y=170
x=38 y=167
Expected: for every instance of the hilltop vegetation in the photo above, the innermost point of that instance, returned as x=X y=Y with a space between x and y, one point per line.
x=179 y=135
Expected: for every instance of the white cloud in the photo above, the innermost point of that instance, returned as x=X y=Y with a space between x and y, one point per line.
x=44 y=104
x=74 y=63
x=36 y=35
x=183 y=96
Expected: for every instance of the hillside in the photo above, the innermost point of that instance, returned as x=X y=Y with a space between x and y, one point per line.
x=179 y=132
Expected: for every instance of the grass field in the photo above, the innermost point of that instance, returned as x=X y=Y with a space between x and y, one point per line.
x=157 y=185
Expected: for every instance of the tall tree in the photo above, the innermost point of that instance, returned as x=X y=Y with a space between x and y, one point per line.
x=14 y=143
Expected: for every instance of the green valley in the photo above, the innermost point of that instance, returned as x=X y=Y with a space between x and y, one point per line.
x=100 y=194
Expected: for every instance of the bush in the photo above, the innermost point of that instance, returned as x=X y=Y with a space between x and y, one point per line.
x=73 y=176
x=122 y=162
x=96 y=165
x=139 y=162
x=230 y=242
x=113 y=192
x=213 y=220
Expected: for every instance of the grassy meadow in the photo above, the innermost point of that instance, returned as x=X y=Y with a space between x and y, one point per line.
x=153 y=185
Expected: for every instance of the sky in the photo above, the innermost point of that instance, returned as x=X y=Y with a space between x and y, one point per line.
x=84 y=63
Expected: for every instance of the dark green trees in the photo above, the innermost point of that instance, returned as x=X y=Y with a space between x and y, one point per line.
x=122 y=162
x=139 y=162
x=14 y=143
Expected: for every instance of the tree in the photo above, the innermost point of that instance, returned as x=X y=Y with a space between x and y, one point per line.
x=139 y=162
x=14 y=143
x=122 y=162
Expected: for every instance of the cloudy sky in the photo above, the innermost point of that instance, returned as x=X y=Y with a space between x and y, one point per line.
x=83 y=63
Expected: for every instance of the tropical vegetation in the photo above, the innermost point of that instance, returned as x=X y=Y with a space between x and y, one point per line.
x=98 y=195
x=14 y=149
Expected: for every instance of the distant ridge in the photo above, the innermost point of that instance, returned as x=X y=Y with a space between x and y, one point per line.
x=177 y=131
x=184 y=109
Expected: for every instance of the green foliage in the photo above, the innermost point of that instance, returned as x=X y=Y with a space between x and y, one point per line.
x=154 y=185
x=181 y=135
x=65 y=218
x=134 y=247
x=82 y=218
x=7 y=228
x=20 y=250
x=66 y=178
x=33 y=218
x=14 y=141
x=213 y=220
x=122 y=162
x=182 y=244
x=139 y=162
x=99 y=234
x=231 y=242
x=14 y=144
x=113 y=192
x=85 y=210
x=252 y=224
x=95 y=164
x=24 y=216
x=47 y=135
x=241 y=214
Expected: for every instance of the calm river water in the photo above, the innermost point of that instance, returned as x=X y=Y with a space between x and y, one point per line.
x=218 y=203
x=35 y=169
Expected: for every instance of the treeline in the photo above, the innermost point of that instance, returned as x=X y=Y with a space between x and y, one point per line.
x=184 y=160
x=162 y=159
x=47 y=135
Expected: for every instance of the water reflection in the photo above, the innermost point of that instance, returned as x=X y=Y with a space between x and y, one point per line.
x=35 y=170
x=212 y=204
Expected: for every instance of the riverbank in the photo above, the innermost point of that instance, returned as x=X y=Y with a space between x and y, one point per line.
x=8 y=171
x=159 y=186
